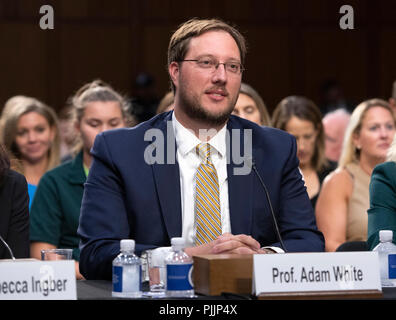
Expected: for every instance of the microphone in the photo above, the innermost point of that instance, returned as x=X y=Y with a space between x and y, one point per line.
x=253 y=165
x=8 y=247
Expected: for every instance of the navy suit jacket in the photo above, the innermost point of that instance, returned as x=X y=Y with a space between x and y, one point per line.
x=127 y=198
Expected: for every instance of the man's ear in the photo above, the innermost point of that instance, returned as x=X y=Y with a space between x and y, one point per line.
x=174 y=72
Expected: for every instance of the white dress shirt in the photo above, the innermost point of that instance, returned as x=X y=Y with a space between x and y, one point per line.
x=189 y=162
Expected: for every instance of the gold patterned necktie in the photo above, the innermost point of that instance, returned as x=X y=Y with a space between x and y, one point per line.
x=207 y=198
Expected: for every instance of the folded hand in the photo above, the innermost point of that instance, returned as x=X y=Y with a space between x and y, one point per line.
x=240 y=244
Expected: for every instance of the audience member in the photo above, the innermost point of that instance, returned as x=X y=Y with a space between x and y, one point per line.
x=341 y=210
x=30 y=134
x=382 y=211
x=251 y=106
x=335 y=124
x=166 y=103
x=151 y=202
x=55 y=213
x=14 y=213
x=302 y=118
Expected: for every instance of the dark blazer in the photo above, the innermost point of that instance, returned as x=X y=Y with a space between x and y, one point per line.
x=14 y=215
x=125 y=197
x=382 y=212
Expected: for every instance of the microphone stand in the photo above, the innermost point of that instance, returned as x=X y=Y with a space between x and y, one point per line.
x=8 y=247
x=270 y=205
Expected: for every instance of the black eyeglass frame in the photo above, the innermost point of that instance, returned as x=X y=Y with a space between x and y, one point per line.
x=242 y=69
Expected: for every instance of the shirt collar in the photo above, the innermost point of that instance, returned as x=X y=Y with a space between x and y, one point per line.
x=187 y=141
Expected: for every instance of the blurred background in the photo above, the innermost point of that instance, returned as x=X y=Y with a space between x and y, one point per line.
x=295 y=47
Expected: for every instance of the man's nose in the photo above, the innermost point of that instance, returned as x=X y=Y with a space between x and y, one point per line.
x=220 y=74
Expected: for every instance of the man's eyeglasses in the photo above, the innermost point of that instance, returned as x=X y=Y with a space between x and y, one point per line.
x=213 y=64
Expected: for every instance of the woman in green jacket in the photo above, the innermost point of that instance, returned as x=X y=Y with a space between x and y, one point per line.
x=55 y=212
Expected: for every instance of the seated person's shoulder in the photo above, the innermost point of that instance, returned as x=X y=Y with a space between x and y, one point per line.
x=339 y=179
x=13 y=182
x=387 y=168
x=120 y=136
x=60 y=172
x=12 y=176
x=261 y=131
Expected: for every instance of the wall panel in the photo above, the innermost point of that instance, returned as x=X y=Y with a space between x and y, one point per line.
x=293 y=45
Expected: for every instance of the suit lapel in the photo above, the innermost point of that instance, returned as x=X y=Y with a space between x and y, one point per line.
x=240 y=195
x=167 y=180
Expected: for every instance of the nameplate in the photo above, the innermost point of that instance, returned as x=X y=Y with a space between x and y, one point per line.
x=28 y=279
x=336 y=272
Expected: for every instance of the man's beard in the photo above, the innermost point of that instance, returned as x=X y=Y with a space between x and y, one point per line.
x=192 y=107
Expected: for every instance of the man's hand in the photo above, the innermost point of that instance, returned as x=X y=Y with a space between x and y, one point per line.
x=240 y=244
x=228 y=243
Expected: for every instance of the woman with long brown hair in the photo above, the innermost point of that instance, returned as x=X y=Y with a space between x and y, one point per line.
x=302 y=118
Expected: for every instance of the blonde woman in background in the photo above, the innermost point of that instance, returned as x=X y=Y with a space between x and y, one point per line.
x=29 y=131
x=54 y=218
x=341 y=210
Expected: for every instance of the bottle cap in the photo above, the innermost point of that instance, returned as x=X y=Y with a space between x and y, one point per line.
x=127 y=245
x=385 y=235
x=179 y=242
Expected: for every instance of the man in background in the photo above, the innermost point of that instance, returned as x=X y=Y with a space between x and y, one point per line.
x=335 y=124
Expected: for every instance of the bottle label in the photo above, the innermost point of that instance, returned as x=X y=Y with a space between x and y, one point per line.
x=179 y=277
x=392 y=266
x=127 y=278
x=117 y=279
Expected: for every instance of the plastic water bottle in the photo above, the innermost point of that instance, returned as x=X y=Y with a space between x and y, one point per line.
x=127 y=272
x=387 y=258
x=179 y=268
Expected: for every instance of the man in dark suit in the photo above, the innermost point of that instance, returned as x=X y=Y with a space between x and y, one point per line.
x=181 y=174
